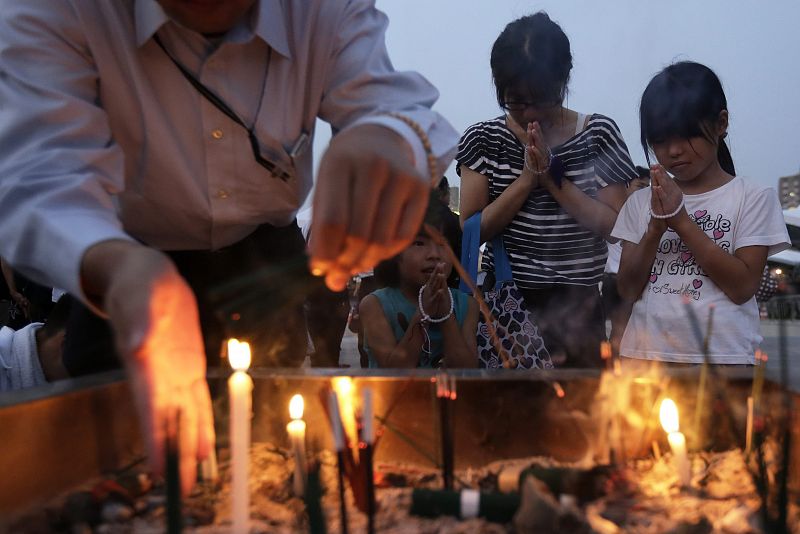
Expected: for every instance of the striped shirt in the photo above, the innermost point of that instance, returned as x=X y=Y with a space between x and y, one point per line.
x=545 y=244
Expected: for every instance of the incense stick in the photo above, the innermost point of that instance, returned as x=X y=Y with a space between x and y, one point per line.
x=445 y=393
x=173 y=475
x=313 y=500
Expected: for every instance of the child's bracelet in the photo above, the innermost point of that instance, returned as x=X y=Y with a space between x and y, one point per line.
x=426 y=144
x=669 y=215
x=427 y=318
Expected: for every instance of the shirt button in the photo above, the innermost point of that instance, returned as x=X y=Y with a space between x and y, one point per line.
x=216 y=134
x=222 y=194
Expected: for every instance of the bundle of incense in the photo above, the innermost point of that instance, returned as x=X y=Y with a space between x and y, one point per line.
x=173 y=477
x=339 y=444
x=313 y=500
x=368 y=436
x=446 y=394
x=584 y=484
x=465 y=504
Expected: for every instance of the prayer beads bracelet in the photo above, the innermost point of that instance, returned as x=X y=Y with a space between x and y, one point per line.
x=427 y=318
x=668 y=215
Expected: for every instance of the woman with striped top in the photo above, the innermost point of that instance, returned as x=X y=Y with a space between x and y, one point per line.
x=552 y=181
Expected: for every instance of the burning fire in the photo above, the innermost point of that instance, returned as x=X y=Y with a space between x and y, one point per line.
x=668 y=414
x=238 y=354
x=296 y=407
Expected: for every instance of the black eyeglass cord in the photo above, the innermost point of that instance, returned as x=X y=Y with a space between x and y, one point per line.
x=218 y=103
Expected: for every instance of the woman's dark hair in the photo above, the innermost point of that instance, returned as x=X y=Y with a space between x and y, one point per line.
x=532 y=51
x=684 y=100
x=387 y=272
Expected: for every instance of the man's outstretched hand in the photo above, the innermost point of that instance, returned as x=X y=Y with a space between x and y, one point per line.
x=157 y=332
x=368 y=205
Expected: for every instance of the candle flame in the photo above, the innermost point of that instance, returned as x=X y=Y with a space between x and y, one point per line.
x=296 y=406
x=238 y=354
x=343 y=386
x=668 y=414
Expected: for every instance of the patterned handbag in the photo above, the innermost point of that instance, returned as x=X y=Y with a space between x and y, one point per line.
x=514 y=324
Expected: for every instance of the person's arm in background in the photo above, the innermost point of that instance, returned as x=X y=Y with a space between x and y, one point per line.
x=16 y=296
x=497 y=214
x=640 y=236
x=371 y=191
x=59 y=168
x=387 y=351
x=595 y=214
x=613 y=168
x=637 y=262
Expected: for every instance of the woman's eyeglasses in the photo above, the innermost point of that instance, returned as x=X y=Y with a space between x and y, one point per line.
x=522 y=106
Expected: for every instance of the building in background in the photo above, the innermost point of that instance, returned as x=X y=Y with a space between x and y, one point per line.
x=789 y=191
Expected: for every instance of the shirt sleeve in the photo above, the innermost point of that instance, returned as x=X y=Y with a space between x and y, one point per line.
x=761 y=222
x=613 y=164
x=472 y=150
x=632 y=219
x=362 y=86
x=59 y=166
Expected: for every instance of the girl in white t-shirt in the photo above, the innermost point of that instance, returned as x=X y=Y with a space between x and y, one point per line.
x=700 y=239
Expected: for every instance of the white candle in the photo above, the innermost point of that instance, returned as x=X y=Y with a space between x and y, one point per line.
x=297 y=435
x=748 y=432
x=343 y=386
x=368 y=426
x=677 y=441
x=336 y=421
x=240 y=392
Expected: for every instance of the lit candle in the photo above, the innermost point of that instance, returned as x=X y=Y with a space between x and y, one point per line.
x=748 y=429
x=368 y=425
x=339 y=444
x=240 y=392
x=368 y=433
x=758 y=379
x=297 y=434
x=677 y=441
x=343 y=386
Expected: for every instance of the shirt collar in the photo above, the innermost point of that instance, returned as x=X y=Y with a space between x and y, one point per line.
x=149 y=17
x=268 y=23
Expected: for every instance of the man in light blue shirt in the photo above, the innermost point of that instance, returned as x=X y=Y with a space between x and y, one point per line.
x=110 y=153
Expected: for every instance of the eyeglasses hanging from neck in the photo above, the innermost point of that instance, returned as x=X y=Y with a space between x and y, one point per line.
x=218 y=103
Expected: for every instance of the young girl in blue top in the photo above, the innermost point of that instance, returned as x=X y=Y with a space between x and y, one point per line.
x=699 y=240
x=417 y=321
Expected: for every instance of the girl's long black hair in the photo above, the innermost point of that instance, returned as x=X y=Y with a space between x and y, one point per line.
x=684 y=100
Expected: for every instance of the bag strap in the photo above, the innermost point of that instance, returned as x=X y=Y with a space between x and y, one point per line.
x=470 y=251
x=502 y=265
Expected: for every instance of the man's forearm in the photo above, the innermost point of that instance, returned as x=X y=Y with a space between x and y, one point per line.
x=103 y=261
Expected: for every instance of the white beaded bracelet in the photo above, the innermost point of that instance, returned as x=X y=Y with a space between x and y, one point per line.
x=427 y=318
x=668 y=215
x=535 y=172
